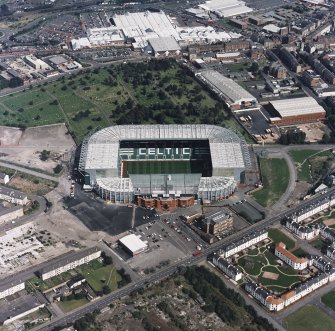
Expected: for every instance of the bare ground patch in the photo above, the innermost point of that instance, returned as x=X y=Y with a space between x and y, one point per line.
x=330 y=221
x=270 y=275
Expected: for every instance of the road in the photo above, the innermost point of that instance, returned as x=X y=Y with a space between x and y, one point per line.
x=163 y=273
x=29 y=171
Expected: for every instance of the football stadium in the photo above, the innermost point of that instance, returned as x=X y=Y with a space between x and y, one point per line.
x=124 y=162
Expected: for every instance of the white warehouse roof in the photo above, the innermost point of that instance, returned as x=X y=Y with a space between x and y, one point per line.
x=226 y=8
x=297 y=107
x=164 y=44
x=133 y=243
x=226 y=87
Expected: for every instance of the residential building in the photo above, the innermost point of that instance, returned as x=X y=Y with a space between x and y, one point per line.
x=328 y=233
x=9 y=214
x=290 y=60
x=13 y=196
x=10 y=286
x=69 y=261
x=217 y=222
x=307 y=232
x=331 y=252
x=228 y=268
x=244 y=243
x=320 y=263
x=289 y=258
x=277 y=70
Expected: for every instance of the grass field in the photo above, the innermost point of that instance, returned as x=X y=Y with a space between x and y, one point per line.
x=277 y=236
x=318 y=244
x=329 y=299
x=299 y=252
x=125 y=94
x=309 y=318
x=310 y=163
x=275 y=178
x=69 y=305
x=98 y=275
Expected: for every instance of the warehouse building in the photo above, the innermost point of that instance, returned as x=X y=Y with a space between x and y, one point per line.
x=165 y=47
x=226 y=8
x=296 y=111
x=133 y=245
x=235 y=96
x=36 y=63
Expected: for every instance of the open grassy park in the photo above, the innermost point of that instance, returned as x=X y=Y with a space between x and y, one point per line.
x=275 y=178
x=309 y=318
x=261 y=265
x=156 y=92
x=311 y=164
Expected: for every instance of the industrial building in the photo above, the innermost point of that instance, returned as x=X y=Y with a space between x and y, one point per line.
x=165 y=47
x=133 y=245
x=226 y=8
x=69 y=261
x=217 y=222
x=36 y=63
x=235 y=96
x=296 y=111
x=125 y=162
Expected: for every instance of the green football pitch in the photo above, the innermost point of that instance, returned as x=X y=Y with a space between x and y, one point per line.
x=164 y=167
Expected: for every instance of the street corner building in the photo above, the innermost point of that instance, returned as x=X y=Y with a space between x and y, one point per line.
x=172 y=162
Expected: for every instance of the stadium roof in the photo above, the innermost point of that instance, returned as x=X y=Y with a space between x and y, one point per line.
x=297 y=107
x=101 y=150
x=225 y=86
x=133 y=243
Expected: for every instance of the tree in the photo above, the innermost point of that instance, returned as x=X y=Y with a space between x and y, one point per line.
x=106 y=289
x=44 y=155
x=254 y=67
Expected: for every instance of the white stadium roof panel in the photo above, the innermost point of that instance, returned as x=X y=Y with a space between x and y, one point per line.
x=297 y=107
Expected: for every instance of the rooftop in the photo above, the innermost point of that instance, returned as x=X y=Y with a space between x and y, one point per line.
x=67 y=258
x=12 y=193
x=164 y=44
x=133 y=243
x=281 y=249
x=297 y=107
x=225 y=87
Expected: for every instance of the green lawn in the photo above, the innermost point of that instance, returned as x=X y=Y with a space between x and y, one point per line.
x=299 y=252
x=69 y=305
x=309 y=318
x=277 y=236
x=329 y=299
x=252 y=265
x=283 y=280
x=318 y=244
x=275 y=178
x=120 y=94
x=98 y=276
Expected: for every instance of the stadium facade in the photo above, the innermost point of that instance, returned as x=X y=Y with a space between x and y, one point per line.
x=164 y=161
